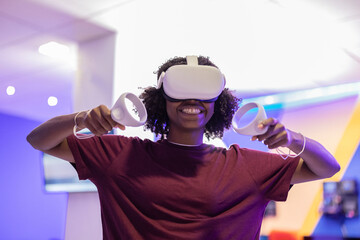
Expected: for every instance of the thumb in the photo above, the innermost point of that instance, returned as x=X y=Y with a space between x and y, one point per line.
x=120 y=126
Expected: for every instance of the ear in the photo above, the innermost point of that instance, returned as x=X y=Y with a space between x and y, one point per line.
x=160 y=80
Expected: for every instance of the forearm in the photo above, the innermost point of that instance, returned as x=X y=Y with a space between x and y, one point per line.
x=315 y=156
x=52 y=132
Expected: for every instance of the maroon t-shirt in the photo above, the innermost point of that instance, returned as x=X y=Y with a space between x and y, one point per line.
x=159 y=190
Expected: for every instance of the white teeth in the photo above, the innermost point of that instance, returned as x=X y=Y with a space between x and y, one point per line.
x=191 y=110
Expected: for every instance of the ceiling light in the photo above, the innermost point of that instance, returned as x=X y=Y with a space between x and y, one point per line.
x=64 y=53
x=268 y=100
x=54 y=49
x=10 y=90
x=52 y=101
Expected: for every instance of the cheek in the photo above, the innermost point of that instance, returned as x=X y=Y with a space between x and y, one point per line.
x=171 y=108
x=211 y=110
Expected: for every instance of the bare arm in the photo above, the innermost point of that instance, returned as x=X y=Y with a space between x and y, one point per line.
x=315 y=163
x=50 y=137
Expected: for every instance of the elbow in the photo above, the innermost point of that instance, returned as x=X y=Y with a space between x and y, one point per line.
x=335 y=168
x=338 y=167
x=30 y=139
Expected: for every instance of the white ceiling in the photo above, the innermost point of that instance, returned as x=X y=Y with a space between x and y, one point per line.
x=263 y=47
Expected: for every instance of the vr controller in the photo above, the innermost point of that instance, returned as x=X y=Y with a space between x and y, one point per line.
x=121 y=114
x=252 y=127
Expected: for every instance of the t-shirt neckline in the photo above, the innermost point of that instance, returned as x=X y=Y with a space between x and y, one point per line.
x=183 y=146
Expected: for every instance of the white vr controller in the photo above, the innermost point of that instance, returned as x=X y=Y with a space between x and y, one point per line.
x=121 y=114
x=251 y=128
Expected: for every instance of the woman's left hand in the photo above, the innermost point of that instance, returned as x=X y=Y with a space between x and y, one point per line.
x=276 y=135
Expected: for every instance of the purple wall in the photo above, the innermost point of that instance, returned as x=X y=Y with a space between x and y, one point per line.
x=26 y=211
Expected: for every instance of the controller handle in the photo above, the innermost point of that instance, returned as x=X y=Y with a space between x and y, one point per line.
x=252 y=128
x=120 y=113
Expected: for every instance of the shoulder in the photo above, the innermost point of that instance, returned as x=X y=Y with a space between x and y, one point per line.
x=249 y=153
x=107 y=141
x=124 y=141
x=255 y=159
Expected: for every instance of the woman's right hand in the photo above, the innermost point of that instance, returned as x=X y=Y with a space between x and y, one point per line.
x=98 y=120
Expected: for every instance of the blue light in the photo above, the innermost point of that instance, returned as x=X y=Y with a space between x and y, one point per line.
x=307 y=97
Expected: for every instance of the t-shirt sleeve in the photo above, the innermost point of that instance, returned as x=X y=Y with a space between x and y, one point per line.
x=94 y=155
x=271 y=173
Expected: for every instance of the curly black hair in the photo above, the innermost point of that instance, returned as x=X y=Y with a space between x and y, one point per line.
x=155 y=103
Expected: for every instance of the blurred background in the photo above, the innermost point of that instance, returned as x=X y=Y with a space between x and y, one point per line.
x=299 y=58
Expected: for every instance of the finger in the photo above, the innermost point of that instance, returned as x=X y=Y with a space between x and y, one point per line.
x=100 y=117
x=95 y=127
x=108 y=122
x=120 y=126
x=96 y=122
x=273 y=130
x=115 y=124
x=270 y=132
x=101 y=122
x=278 y=140
x=268 y=122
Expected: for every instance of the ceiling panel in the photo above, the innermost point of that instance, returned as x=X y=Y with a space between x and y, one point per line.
x=32 y=14
x=149 y=32
x=13 y=31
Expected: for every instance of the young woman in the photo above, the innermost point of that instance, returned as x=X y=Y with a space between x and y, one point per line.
x=178 y=187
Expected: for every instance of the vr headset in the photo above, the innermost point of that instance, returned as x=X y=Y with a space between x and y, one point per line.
x=191 y=81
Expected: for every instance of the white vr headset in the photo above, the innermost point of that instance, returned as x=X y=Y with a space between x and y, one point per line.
x=192 y=81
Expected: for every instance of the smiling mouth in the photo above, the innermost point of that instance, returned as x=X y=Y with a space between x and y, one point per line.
x=191 y=110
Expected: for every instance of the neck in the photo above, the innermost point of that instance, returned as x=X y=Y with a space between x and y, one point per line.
x=186 y=138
